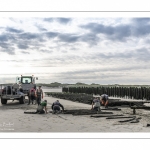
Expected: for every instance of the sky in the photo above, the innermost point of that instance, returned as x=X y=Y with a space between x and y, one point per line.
x=75 y=49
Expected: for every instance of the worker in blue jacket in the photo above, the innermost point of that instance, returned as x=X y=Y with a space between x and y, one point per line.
x=56 y=107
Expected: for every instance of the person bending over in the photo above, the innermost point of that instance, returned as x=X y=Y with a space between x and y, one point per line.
x=41 y=107
x=96 y=104
x=104 y=100
x=56 y=107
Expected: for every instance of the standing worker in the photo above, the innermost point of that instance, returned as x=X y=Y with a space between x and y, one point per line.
x=39 y=94
x=32 y=95
x=104 y=100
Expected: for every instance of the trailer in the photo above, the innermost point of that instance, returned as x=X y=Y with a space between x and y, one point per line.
x=19 y=90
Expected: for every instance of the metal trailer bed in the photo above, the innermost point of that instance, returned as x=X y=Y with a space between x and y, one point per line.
x=8 y=92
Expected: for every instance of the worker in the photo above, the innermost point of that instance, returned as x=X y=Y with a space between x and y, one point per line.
x=41 y=107
x=34 y=85
x=39 y=94
x=56 y=107
x=32 y=96
x=96 y=104
x=104 y=100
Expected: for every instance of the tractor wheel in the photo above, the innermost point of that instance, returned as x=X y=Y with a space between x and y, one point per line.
x=3 y=101
x=22 y=100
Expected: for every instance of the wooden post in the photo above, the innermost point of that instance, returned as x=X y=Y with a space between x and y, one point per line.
x=134 y=111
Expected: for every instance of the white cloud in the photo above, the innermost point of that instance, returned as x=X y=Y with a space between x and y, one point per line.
x=70 y=50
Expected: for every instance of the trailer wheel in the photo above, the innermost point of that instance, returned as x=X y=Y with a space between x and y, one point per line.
x=3 y=101
x=22 y=100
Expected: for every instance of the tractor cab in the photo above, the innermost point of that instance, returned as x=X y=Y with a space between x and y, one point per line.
x=26 y=80
x=26 y=83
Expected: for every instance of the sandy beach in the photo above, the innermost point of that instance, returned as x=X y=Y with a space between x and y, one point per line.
x=13 y=119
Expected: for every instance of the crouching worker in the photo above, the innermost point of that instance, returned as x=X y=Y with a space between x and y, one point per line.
x=96 y=104
x=104 y=100
x=56 y=107
x=41 y=107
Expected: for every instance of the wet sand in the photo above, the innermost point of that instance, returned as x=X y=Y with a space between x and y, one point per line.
x=13 y=119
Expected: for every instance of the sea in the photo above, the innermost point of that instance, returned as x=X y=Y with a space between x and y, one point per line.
x=51 y=89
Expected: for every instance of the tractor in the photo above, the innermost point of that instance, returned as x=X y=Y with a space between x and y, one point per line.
x=19 y=90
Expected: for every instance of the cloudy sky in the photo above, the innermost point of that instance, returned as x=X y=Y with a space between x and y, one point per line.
x=71 y=50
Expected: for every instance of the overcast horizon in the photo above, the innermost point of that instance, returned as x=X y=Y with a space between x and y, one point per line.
x=71 y=50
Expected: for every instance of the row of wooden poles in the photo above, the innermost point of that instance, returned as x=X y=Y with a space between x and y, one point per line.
x=122 y=92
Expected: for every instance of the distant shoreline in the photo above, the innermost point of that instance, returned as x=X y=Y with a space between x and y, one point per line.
x=47 y=87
